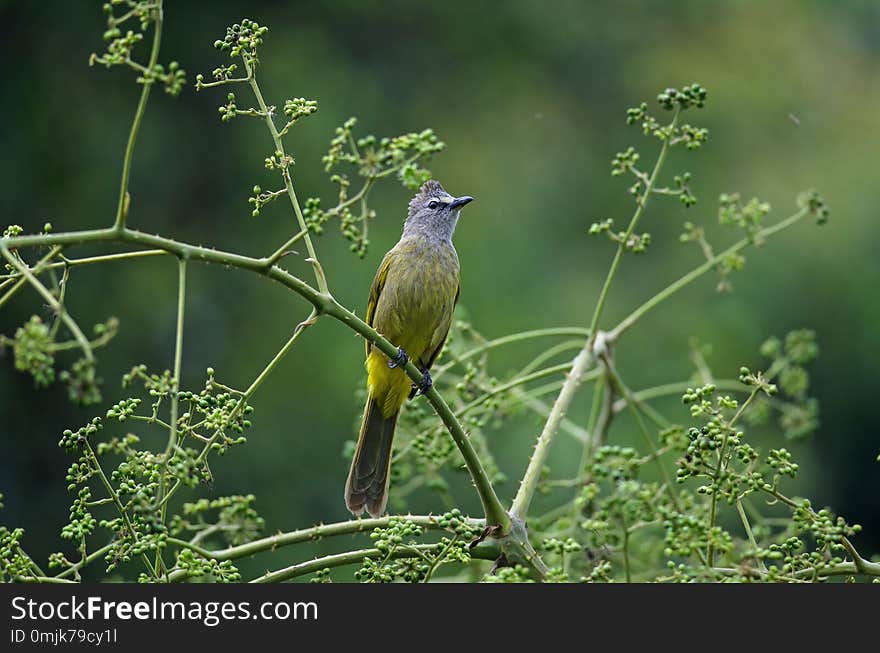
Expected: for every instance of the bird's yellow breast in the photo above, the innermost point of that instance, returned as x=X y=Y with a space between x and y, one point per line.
x=413 y=310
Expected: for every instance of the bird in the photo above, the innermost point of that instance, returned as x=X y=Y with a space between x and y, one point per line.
x=411 y=303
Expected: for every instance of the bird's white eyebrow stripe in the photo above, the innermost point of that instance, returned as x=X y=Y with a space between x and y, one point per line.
x=446 y=200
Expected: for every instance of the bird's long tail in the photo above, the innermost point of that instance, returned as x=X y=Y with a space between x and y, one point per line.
x=367 y=485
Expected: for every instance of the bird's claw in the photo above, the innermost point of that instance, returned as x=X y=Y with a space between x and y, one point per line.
x=400 y=360
x=422 y=386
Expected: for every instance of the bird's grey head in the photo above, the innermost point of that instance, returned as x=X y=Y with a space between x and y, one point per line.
x=433 y=213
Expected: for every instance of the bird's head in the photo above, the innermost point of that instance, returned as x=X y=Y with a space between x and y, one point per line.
x=433 y=212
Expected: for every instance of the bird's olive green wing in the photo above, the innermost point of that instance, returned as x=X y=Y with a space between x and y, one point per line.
x=439 y=347
x=375 y=292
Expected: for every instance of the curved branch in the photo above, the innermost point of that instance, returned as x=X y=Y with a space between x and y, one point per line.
x=312 y=534
x=122 y=204
x=324 y=303
x=529 y=483
x=354 y=557
x=50 y=299
x=699 y=271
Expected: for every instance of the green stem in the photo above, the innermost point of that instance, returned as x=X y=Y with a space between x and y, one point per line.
x=42 y=579
x=246 y=395
x=62 y=293
x=111 y=491
x=288 y=181
x=122 y=204
x=512 y=338
x=438 y=559
x=94 y=555
x=323 y=304
x=504 y=387
x=175 y=395
x=50 y=299
x=530 y=479
x=748 y=528
x=699 y=271
x=312 y=534
x=530 y=400
x=669 y=389
x=281 y=251
x=510 y=385
x=112 y=257
x=621 y=247
x=871 y=569
x=633 y=403
x=356 y=557
x=713 y=502
x=41 y=265
x=599 y=420
x=549 y=354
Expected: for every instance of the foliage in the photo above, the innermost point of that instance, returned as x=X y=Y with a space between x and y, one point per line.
x=724 y=515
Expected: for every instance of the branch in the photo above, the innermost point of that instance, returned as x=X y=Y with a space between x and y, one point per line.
x=56 y=306
x=699 y=271
x=323 y=303
x=288 y=182
x=312 y=534
x=634 y=405
x=41 y=265
x=175 y=395
x=122 y=204
x=355 y=557
x=506 y=340
x=584 y=359
x=246 y=395
x=621 y=246
x=668 y=389
x=529 y=483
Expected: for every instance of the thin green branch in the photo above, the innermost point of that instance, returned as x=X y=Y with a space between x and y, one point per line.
x=529 y=483
x=506 y=340
x=713 y=502
x=99 y=341
x=323 y=303
x=107 y=258
x=748 y=529
x=621 y=247
x=94 y=555
x=62 y=294
x=699 y=271
x=530 y=400
x=672 y=389
x=312 y=534
x=43 y=579
x=282 y=251
x=51 y=300
x=87 y=260
x=111 y=491
x=41 y=265
x=175 y=395
x=355 y=557
x=549 y=354
x=246 y=395
x=635 y=406
x=504 y=387
x=288 y=181
x=124 y=198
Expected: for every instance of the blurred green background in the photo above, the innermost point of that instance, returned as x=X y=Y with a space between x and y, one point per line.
x=530 y=98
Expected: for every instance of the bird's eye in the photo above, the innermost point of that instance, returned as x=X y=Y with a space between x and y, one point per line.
x=433 y=204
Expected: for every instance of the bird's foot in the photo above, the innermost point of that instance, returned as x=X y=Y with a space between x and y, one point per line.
x=400 y=360
x=422 y=386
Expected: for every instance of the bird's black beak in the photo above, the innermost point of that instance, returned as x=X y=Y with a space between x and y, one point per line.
x=460 y=201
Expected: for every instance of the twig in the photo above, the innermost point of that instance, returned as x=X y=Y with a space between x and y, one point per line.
x=124 y=198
